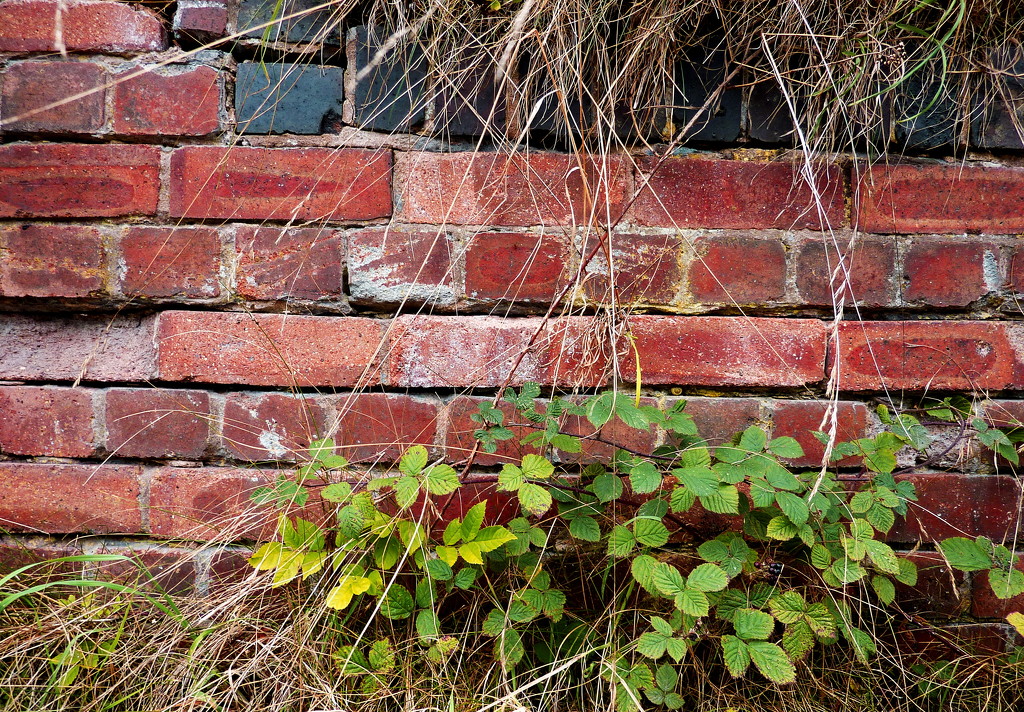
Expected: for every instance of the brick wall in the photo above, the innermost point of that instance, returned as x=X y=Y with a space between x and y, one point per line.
x=200 y=271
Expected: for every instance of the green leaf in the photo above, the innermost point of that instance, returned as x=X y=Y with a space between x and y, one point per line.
x=607 y=487
x=470 y=526
x=965 y=555
x=652 y=645
x=490 y=538
x=798 y=640
x=707 y=577
x=788 y=607
x=884 y=588
x=427 y=625
x=398 y=603
x=668 y=580
x=725 y=501
x=407 y=489
x=643 y=568
x=464 y=578
x=882 y=556
x=1006 y=584
x=438 y=569
x=631 y=415
x=753 y=439
x=645 y=478
x=771 y=660
x=440 y=480
x=676 y=648
x=861 y=502
x=511 y=478
x=702 y=481
x=880 y=517
x=536 y=467
x=782 y=529
x=681 y=499
x=751 y=624
x=508 y=648
x=666 y=677
x=786 y=447
x=620 y=541
x=599 y=409
x=413 y=461
x=820 y=557
x=793 y=507
x=534 y=499
x=1016 y=619
x=880 y=461
x=351 y=521
x=567 y=443
x=736 y=654
x=907 y=573
x=585 y=529
x=693 y=602
x=650 y=532
x=846 y=570
x=382 y=656
x=337 y=492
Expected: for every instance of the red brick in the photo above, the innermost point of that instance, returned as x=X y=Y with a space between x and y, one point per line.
x=459 y=440
x=151 y=567
x=280 y=183
x=452 y=352
x=985 y=604
x=30 y=86
x=374 y=427
x=151 y=422
x=70 y=499
x=105 y=348
x=51 y=261
x=738 y=269
x=933 y=355
x=712 y=193
x=507 y=190
x=271 y=426
x=599 y=444
x=797 y=419
x=869 y=263
x=718 y=419
x=954 y=504
x=1016 y=273
x=282 y=263
x=268 y=349
x=727 y=351
x=208 y=504
x=69 y=180
x=933 y=197
x=516 y=267
x=952 y=642
x=39 y=420
x=170 y=262
x=647 y=269
x=201 y=19
x=398 y=265
x=938 y=590
x=30 y=26
x=944 y=272
x=170 y=101
x=17 y=552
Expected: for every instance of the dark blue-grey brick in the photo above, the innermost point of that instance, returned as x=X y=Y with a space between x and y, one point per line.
x=294 y=21
x=287 y=98
x=392 y=94
x=697 y=77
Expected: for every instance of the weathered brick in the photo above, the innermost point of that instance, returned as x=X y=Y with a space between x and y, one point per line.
x=647 y=268
x=718 y=419
x=170 y=262
x=933 y=355
x=712 y=193
x=167 y=101
x=398 y=265
x=504 y=189
x=88 y=26
x=51 y=261
x=267 y=349
x=933 y=197
x=870 y=265
x=797 y=419
x=291 y=21
x=70 y=499
x=768 y=117
x=201 y=20
x=31 y=86
x=487 y=351
x=280 y=184
x=152 y=422
x=208 y=504
x=985 y=604
x=391 y=95
x=700 y=73
x=118 y=348
x=375 y=427
x=938 y=591
x=171 y=570
x=287 y=98
x=599 y=444
x=941 y=644
x=70 y=180
x=946 y=272
x=459 y=440
x=516 y=267
x=950 y=504
x=40 y=420
x=288 y=263
x=271 y=426
x=728 y=351
x=740 y=269
x=17 y=552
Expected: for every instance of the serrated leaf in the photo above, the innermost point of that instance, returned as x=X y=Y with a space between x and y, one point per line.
x=1006 y=584
x=620 y=541
x=707 y=577
x=882 y=556
x=427 y=625
x=413 y=461
x=599 y=409
x=681 y=499
x=650 y=532
x=534 y=499
x=351 y=521
x=447 y=554
x=585 y=529
x=470 y=526
x=652 y=645
x=753 y=439
x=788 y=607
x=702 y=481
x=662 y=626
x=438 y=569
x=643 y=568
x=907 y=573
x=782 y=529
x=677 y=648
x=693 y=602
x=1016 y=619
x=348 y=587
x=822 y=620
x=786 y=447
x=666 y=677
x=771 y=660
x=338 y=492
x=490 y=538
x=382 y=656
x=536 y=467
x=511 y=478
x=880 y=517
x=820 y=557
x=793 y=507
x=751 y=624
x=846 y=570
x=607 y=487
x=464 y=578
x=798 y=640
x=884 y=588
x=508 y=648
x=861 y=502
x=398 y=603
x=407 y=489
x=736 y=654
x=645 y=478
x=440 y=480
x=668 y=580
x=725 y=501
x=426 y=592
x=965 y=554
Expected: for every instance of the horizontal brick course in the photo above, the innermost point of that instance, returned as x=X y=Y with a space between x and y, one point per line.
x=88 y=26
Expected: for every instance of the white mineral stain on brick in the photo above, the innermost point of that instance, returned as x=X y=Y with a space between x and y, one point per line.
x=271 y=442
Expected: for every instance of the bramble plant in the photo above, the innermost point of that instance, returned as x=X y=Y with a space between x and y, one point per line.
x=730 y=588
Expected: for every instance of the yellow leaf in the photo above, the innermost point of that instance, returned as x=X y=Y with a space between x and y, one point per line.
x=1016 y=619
x=471 y=553
x=267 y=557
x=448 y=554
x=341 y=595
